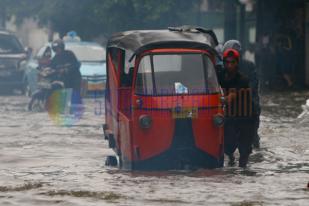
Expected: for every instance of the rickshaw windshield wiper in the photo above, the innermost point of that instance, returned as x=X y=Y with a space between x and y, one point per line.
x=152 y=75
x=204 y=56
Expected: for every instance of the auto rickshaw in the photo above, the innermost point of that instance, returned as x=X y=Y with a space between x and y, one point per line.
x=163 y=103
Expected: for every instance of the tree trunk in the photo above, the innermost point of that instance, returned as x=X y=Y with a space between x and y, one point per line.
x=2 y=18
x=50 y=31
x=230 y=19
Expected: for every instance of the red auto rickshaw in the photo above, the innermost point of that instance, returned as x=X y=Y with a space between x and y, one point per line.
x=163 y=102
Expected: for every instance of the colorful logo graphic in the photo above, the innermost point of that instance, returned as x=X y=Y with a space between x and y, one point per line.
x=65 y=107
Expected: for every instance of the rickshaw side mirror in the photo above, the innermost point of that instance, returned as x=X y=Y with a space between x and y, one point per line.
x=131 y=69
x=130 y=76
x=127 y=79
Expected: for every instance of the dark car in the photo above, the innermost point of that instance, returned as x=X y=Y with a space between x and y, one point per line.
x=12 y=57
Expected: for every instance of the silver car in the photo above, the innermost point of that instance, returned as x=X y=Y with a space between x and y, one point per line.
x=12 y=58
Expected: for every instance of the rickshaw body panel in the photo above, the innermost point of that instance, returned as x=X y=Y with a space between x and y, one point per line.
x=155 y=140
x=125 y=137
x=158 y=138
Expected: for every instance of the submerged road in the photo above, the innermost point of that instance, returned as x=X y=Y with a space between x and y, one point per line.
x=45 y=163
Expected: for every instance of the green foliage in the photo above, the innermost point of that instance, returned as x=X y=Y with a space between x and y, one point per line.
x=20 y=8
x=92 y=18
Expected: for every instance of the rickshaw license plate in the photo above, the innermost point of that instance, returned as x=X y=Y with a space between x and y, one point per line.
x=183 y=113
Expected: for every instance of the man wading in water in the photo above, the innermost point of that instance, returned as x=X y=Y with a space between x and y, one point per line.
x=239 y=125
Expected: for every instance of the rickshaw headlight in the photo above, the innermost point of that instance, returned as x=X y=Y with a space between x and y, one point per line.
x=218 y=120
x=145 y=121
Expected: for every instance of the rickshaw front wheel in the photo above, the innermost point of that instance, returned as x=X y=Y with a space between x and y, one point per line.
x=111 y=161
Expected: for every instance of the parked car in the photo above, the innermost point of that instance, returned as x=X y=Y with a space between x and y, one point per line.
x=12 y=57
x=93 y=65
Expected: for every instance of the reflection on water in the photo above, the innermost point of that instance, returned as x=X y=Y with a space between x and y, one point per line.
x=46 y=164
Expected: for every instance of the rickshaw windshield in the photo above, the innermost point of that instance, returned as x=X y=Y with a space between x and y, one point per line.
x=170 y=74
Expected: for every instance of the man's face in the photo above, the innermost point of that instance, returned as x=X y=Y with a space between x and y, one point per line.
x=231 y=64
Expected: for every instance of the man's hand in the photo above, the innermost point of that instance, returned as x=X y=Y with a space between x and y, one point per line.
x=231 y=96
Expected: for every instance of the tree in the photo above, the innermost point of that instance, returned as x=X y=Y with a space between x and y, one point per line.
x=20 y=8
x=91 y=18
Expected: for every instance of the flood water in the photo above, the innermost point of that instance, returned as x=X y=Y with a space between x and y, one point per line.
x=42 y=163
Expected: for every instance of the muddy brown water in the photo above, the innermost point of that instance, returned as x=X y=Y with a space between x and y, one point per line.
x=42 y=163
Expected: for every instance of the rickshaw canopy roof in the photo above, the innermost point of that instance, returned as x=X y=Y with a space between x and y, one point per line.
x=174 y=37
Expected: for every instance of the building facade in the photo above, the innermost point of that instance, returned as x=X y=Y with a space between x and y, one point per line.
x=284 y=24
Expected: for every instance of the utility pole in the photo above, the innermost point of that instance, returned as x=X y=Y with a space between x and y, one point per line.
x=50 y=31
x=242 y=25
x=2 y=17
x=199 y=12
x=230 y=19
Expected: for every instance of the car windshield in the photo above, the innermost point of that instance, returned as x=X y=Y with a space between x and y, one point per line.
x=10 y=45
x=166 y=74
x=87 y=53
